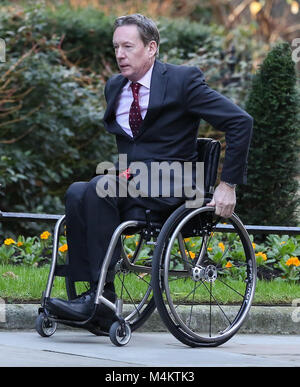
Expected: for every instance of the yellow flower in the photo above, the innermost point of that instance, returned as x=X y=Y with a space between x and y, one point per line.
x=20 y=244
x=45 y=235
x=63 y=248
x=228 y=264
x=294 y=7
x=9 y=241
x=261 y=254
x=187 y=239
x=193 y=244
x=209 y=248
x=221 y=245
x=192 y=255
x=255 y=7
x=128 y=236
x=253 y=245
x=129 y=255
x=282 y=243
x=293 y=261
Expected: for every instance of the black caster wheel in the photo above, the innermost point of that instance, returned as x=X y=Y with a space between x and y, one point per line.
x=120 y=334
x=44 y=326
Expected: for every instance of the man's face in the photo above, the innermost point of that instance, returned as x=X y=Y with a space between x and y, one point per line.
x=134 y=59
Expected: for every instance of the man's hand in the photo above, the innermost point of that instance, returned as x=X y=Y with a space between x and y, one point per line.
x=224 y=199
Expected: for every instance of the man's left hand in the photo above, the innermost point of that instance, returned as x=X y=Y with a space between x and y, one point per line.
x=224 y=199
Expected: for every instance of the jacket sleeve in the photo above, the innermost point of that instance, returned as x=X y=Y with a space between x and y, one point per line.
x=223 y=115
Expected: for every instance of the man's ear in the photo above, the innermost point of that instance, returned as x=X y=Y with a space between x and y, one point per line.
x=152 y=48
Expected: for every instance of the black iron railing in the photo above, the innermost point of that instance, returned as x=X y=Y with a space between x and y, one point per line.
x=252 y=229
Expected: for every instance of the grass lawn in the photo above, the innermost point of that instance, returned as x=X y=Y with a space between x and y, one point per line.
x=26 y=284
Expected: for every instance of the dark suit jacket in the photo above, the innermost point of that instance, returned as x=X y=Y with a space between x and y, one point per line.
x=179 y=98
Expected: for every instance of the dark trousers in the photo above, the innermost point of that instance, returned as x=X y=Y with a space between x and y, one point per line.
x=91 y=220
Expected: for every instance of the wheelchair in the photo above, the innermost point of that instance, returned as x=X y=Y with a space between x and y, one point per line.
x=197 y=269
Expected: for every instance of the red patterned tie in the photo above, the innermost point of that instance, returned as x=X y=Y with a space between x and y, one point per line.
x=135 y=117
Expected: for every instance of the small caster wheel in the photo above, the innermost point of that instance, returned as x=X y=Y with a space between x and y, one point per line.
x=44 y=326
x=118 y=334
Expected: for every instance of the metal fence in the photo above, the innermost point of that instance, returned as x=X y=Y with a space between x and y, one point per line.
x=252 y=229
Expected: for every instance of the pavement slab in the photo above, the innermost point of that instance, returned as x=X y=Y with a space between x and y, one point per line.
x=80 y=348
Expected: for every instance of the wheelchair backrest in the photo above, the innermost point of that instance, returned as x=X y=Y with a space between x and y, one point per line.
x=209 y=153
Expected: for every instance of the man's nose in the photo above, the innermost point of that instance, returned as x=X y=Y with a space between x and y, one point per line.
x=120 y=53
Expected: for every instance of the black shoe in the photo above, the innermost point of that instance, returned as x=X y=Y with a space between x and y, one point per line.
x=80 y=308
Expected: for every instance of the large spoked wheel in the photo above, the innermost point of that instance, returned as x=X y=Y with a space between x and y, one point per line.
x=133 y=280
x=204 y=276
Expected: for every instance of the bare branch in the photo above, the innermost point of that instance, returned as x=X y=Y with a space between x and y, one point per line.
x=13 y=140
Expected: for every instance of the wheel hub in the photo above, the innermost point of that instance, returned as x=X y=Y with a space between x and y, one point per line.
x=208 y=273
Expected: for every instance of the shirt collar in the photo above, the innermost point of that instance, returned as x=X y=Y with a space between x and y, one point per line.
x=145 y=80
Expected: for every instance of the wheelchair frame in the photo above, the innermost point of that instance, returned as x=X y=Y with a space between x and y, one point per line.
x=120 y=331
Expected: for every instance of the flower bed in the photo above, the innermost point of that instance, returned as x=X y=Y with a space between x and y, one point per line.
x=277 y=258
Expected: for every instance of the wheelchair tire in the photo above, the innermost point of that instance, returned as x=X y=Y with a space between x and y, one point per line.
x=204 y=285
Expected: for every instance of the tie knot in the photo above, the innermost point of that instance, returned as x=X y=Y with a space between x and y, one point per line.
x=135 y=86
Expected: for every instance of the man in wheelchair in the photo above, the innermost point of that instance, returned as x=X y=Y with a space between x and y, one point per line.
x=154 y=110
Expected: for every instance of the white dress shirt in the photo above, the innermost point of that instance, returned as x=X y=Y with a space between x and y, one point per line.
x=125 y=100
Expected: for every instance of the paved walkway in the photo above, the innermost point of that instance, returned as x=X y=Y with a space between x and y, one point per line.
x=80 y=348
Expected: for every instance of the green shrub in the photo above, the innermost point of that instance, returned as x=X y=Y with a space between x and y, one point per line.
x=270 y=197
x=52 y=133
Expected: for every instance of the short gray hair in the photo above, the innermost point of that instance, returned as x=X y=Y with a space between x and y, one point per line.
x=147 y=28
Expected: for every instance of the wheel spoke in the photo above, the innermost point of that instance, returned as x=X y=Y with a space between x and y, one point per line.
x=230 y=287
x=212 y=296
x=188 y=295
x=129 y=295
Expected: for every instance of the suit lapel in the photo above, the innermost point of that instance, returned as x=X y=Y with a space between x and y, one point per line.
x=114 y=91
x=157 y=95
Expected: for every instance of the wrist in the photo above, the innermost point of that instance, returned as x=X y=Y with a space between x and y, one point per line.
x=231 y=185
